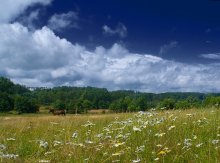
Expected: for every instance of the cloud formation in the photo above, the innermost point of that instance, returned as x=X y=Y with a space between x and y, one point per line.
x=120 y=30
x=29 y=20
x=40 y=58
x=10 y=9
x=165 y=48
x=211 y=56
x=65 y=20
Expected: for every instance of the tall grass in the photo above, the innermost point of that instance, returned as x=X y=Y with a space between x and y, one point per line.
x=154 y=136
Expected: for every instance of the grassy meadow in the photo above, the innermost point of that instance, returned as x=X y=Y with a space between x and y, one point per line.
x=155 y=136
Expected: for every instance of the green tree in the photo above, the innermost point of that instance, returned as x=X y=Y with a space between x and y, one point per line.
x=59 y=105
x=71 y=107
x=167 y=103
x=6 y=103
x=25 y=105
x=183 y=104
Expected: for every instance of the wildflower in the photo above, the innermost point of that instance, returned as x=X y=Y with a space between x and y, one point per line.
x=171 y=127
x=138 y=160
x=88 y=124
x=162 y=153
x=195 y=137
x=88 y=132
x=8 y=156
x=189 y=115
x=115 y=161
x=75 y=134
x=44 y=161
x=108 y=137
x=159 y=145
x=167 y=150
x=215 y=141
x=117 y=154
x=81 y=145
x=118 y=144
x=54 y=123
x=56 y=143
x=89 y=142
x=2 y=147
x=156 y=159
x=86 y=159
x=199 y=145
x=171 y=116
x=160 y=134
x=174 y=119
x=136 y=128
x=119 y=136
x=48 y=153
x=140 y=149
x=43 y=144
x=217 y=147
x=10 y=139
x=187 y=142
x=105 y=153
x=99 y=135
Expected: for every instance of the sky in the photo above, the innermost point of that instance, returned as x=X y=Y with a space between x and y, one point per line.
x=143 y=45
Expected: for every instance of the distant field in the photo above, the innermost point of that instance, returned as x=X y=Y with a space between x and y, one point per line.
x=154 y=136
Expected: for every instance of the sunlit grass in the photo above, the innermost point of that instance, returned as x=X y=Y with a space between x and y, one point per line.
x=154 y=136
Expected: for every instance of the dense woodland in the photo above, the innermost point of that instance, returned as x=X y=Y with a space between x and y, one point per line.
x=20 y=99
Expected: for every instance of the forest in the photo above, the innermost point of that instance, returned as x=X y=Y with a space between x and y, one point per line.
x=21 y=99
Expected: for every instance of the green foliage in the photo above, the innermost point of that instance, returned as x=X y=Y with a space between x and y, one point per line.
x=59 y=105
x=183 y=104
x=6 y=102
x=81 y=99
x=118 y=106
x=71 y=107
x=25 y=105
x=6 y=85
x=212 y=101
x=9 y=87
x=138 y=104
x=167 y=104
x=83 y=106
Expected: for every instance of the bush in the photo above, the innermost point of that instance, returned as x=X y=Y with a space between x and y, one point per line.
x=167 y=103
x=6 y=103
x=59 y=105
x=25 y=105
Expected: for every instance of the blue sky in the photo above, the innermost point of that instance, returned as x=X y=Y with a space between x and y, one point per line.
x=144 y=45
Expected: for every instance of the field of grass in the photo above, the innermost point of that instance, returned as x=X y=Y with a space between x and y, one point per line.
x=154 y=136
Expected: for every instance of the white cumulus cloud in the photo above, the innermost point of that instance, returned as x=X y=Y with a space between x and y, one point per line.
x=41 y=58
x=10 y=9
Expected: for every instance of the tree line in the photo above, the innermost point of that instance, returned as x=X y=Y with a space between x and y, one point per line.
x=15 y=97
